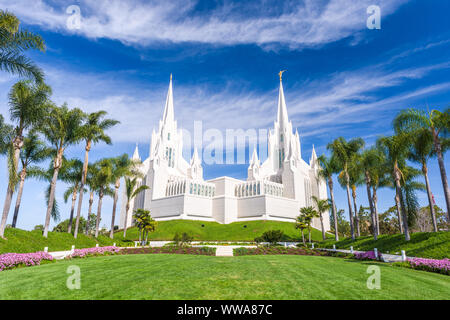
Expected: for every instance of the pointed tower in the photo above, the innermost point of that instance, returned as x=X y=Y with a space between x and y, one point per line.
x=254 y=167
x=195 y=170
x=313 y=159
x=168 y=115
x=136 y=154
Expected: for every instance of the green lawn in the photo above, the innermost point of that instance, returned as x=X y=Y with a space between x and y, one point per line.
x=163 y=276
x=237 y=231
x=434 y=245
x=21 y=241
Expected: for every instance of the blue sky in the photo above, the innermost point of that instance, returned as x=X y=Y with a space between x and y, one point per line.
x=342 y=79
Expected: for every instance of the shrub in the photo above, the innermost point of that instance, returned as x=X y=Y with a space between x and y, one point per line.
x=81 y=253
x=271 y=236
x=13 y=260
x=182 y=240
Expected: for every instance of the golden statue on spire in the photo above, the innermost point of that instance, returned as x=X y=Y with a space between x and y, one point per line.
x=280 y=74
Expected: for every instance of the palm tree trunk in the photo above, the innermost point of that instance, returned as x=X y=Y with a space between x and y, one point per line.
x=402 y=206
x=72 y=209
x=99 y=211
x=113 y=218
x=91 y=201
x=438 y=149
x=7 y=205
x=369 y=198
x=303 y=238
x=430 y=197
x=350 y=213
x=17 y=145
x=309 y=235
x=333 y=208
x=56 y=166
x=83 y=181
x=399 y=216
x=127 y=207
x=323 y=229
x=358 y=232
x=23 y=175
x=375 y=208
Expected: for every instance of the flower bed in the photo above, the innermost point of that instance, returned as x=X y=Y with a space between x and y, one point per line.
x=14 y=260
x=432 y=265
x=368 y=255
x=206 y=251
x=97 y=251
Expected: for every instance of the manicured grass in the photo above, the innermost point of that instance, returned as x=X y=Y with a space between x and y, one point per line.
x=161 y=276
x=21 y=241
x=434 y=245
x=237 y=231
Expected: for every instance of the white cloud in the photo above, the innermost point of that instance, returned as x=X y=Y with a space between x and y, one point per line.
x=295 y=24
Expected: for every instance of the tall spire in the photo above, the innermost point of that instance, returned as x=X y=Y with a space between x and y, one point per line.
x=195 y=158
x=168 y=109
x=136 y=153
x=254 y=161
x=282 y=116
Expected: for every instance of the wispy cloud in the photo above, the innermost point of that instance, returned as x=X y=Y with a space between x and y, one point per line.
x=293 y=23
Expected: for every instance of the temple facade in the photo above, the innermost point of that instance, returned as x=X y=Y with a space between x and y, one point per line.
x=275 y=189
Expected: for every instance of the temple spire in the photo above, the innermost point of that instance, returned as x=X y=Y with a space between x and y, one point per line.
x=255 y=160
x=168 y=108
x=195 y=158
x=136 y=153
x=282 y=116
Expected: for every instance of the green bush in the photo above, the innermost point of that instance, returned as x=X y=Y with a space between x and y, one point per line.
x=271 y=236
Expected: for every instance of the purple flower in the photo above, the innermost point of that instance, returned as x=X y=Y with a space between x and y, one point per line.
x=12 y=260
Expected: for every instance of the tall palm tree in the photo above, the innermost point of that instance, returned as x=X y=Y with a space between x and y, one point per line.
x=13 y=42
x=395 y=150
x=33 y=152
x=6 y=132
x=132 y=189
x=103 y=179
x=381 y=178
x=91 y=183
x=343 y=152
x=438 y=124
x=72 y=176
x=122 y=166
x=308 y=213
x=421 y=149
x=322 y=206
x=356 y=179
x=92 y=131
x=61 y=129
x=367 y=162
x=27 y=105
x=328 y=167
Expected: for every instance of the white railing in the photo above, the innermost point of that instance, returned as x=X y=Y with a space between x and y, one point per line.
x=187 y=186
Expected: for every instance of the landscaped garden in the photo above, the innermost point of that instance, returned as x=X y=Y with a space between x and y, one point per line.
x=162 y=276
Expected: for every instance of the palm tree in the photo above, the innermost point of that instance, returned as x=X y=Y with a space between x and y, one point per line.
x=328 y=167
x=356 y=179
x=322 y=206
x=132 y=189
x=420 y=151
x=381 y=178
x=302 y=225
x=34 y=151
x=343 y=152
x=395 y=150
x=92 y=131
x=13 y=42
x=122 y=166
x=91 y=183
x=27 y=105
x=438 y=124
x=6 y=131
x=103 y=178
x=72 y=176
x=61 y=129
x=308 y=214
x=367 y=162
x=145 y=223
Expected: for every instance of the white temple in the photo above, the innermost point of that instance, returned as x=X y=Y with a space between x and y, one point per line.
x=274 y=190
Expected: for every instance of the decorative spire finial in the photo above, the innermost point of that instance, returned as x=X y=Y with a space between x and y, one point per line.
x=170 y=77
x=280 y=74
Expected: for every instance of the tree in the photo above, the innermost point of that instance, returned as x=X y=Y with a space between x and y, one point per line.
x=145 y=223
x=61 y=129
x=343 y=152
x=27 y=106
x=395 y=149
x=322 y=206
x=343 y=225
x=34 y=151
x=72 y=176
x=438 y=124
x=13 y=42
x=103 y=179
x=132 y=189
x=121 y=166
x=308 y=214
x=328 y=167
x=91 y=183
x=302 y=225
x=92 y=131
